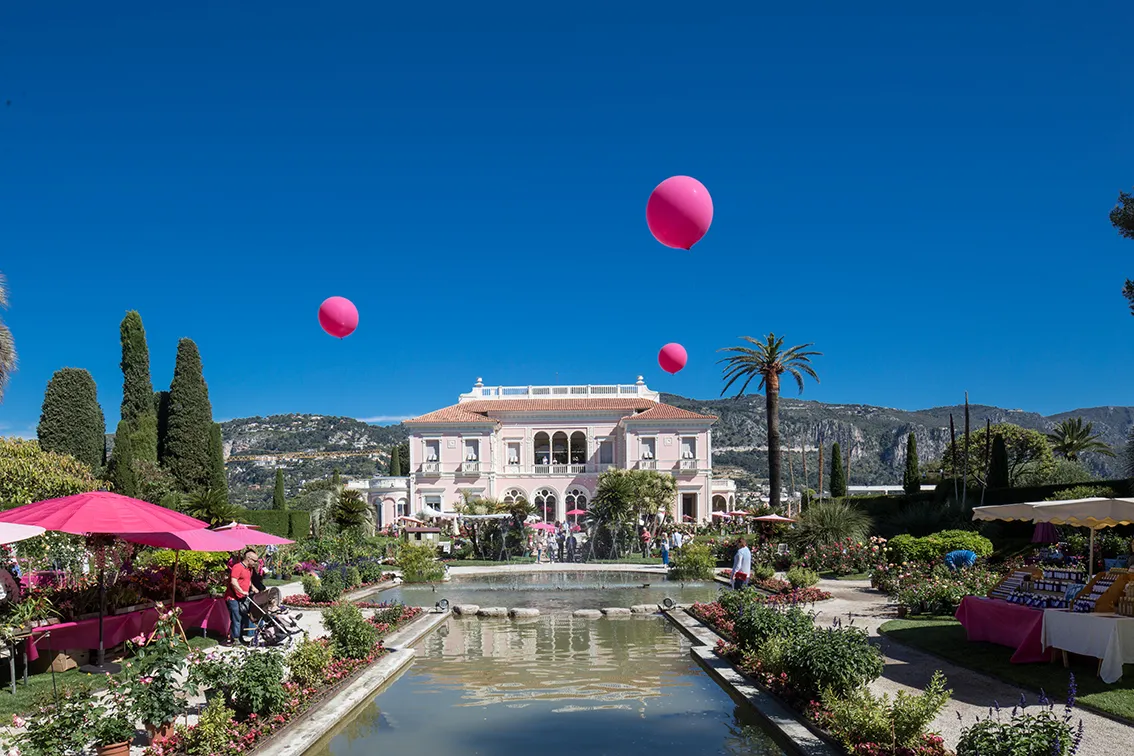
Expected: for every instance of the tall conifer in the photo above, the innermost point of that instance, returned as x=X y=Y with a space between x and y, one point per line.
x=120 y=469
x=71 y=421
x=911 y=478
x=187 y=447
x=218 y=479
x=137 y=390
x=278 y=500
x=838 y=473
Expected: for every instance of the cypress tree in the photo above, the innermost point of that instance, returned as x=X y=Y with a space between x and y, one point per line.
x=71 y=421
x=137 y=390
x=161 y=409
x=218 y=480
x=187 y=453
x=278 y=501
x=911 y=479
x=838 y=474
x=998 y=464
x=121 y=467
x=336 y=480
x=396 y=461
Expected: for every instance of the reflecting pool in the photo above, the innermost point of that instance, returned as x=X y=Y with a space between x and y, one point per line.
x=553 y=591
x=552 y=685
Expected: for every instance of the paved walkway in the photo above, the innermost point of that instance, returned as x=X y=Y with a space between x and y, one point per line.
x=973 y=693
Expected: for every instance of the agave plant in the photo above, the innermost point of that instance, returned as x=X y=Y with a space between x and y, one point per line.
x=829 y=522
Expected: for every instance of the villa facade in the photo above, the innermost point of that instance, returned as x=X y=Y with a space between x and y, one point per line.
x=548 y=444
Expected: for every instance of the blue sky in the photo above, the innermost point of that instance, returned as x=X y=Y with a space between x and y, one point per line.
x=922 y=195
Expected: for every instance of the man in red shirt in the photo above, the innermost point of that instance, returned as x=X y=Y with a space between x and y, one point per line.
x=239 y=588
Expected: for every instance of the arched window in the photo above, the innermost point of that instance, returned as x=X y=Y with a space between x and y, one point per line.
x=559 y=448
x=576 y=498
x=512 y=495
x=720 y=504
x=542 y=449
x=578 y=448
x=544 y=501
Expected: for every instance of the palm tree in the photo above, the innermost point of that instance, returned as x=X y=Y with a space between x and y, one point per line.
x=210 y=505
x=1074 y=437
x=7 y=346
x=769 y=360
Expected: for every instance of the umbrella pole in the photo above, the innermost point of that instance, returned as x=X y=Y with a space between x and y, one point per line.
x=173 y=598
x=1091 y=564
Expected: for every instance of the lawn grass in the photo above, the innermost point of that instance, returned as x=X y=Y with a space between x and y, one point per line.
x=270 y=582
x=852 y=576
x=39 y=687
x=944 y=637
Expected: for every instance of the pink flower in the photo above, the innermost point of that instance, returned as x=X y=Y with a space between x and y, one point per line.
x=18 y=721
x=138 y=640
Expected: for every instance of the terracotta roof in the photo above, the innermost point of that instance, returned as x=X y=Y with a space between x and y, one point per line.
x=480 y=411
x=668 y=412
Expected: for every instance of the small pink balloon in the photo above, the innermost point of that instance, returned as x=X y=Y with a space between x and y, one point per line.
x=679 y=212
x=672 y=358
x=338 y=316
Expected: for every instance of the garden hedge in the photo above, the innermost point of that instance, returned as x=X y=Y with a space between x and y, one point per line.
x=906 y=548
x=299 y=525
x=269 y=521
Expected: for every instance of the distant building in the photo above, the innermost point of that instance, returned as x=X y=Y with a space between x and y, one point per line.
x=548 y=444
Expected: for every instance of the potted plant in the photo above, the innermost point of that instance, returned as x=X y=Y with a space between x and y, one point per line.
x=113 y=723
x=155 y=683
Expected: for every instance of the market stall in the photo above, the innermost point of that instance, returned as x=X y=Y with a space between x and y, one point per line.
x=994 y=620
x=1106 y=637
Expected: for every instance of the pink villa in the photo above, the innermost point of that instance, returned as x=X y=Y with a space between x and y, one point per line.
x=548 y=444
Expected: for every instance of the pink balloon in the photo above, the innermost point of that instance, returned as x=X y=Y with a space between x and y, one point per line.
x=672 y=358
x=338 y=316
x=679 y=212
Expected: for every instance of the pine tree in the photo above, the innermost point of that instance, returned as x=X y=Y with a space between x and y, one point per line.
x=218 y=479
x=998 y=464
x=137 y=390
x=190 y=422
x=351 y=510
x=278 y=501
x=911 y=479
x=396 y=461
x=120 y=469
x=161 y=409
x=838 y=473
x=72 y=422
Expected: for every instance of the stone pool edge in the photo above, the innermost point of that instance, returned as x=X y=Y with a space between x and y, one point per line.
x=322 y=718
x=786 y=728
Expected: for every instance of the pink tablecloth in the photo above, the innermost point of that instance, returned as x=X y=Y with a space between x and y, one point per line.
x=1006 y=624
x=207 y=614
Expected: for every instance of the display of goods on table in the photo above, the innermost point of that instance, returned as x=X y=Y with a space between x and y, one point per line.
x=1013 y=581
x=1125 y=605
x=1103 y=592
x=1052 y=588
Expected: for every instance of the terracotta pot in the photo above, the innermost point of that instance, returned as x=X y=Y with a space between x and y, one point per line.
x=158 y=733
x=114 y=749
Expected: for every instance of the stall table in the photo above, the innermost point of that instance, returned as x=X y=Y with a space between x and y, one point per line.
x=1104 y=636
x=206 y=614
x=1006 y=624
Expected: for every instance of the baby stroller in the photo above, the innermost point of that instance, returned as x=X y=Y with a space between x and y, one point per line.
x=270 y=622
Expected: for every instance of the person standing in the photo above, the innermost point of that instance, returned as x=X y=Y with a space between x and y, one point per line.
x=237 y=595
x=665 y=549
x=572 y=545
x=561 y=538
x=741 y=566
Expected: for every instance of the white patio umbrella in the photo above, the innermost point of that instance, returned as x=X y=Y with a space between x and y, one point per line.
x=11 y=532
x=1095 y=514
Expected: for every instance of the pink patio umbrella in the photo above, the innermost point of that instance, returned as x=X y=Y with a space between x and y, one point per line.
x=190 y=540
x=576 y=512
x=543 y=526
x=772 y=518
x=10 y=533
x=721 y=514
x=101 y=513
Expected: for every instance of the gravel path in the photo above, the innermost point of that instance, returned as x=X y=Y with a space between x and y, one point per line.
x=909 y=669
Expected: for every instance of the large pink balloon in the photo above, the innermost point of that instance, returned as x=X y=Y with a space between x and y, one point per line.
x=679 y=212
x=338 y=316
x=672 y=358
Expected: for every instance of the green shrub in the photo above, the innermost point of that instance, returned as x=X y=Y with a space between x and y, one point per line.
x=801 y=577
x=898 y=725
x=692 y=562
x=1023 y=734
x=308 y=662
x=194 y=562
x=327 y=589
x=838 y=659
x=930 y=548
x=829 y=522
x=271 y=521
x=352 y=636
x=763 y=572
x=371 y=572
x=757 y=623
x=353 y=577
x=299 y=525
x=418 y=563
x=212 y=734
x=258 y=687
x=1083 y=492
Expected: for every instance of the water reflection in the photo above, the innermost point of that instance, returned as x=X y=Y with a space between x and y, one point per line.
x=554 y=591
x=557 y=684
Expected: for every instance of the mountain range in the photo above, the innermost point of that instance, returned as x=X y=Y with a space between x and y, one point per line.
x=310 y=447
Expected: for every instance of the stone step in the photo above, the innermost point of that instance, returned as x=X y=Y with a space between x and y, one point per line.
x=587 y=613
x=615 y=611
x=493 y=611
x=520 y=612
x=466 y=610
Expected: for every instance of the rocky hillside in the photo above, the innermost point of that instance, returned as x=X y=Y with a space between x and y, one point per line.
x=876 y=435
x=306 y=447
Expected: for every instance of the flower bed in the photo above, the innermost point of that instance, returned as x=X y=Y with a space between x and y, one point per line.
x=932 y=588
x=303 y=601
x=246 y=735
